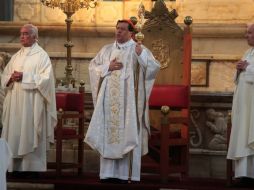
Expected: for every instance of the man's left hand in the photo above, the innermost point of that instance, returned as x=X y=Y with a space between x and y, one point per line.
x=138 y=48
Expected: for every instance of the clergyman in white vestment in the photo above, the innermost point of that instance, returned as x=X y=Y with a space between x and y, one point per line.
x=29 y=110
x=119 y=131
x=241 y=145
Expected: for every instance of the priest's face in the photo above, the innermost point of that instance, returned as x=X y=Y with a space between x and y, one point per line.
x=122 y=32
x=27 y=38
x=250 y=35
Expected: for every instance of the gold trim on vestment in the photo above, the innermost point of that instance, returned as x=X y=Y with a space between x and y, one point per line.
x=114 y=96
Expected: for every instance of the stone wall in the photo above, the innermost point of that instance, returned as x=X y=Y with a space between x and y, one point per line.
x=208 y=134
x=202 y=11
x=213 y=52
x=218 y=31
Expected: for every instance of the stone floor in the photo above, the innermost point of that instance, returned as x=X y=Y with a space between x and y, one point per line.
x=29 y=186
x=147 y=183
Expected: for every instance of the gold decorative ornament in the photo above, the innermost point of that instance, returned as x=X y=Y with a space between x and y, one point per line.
x=82 y=83
x=188 y=20
x=161 y=52
x=69 y=7
x=165 y=110
x=141 y=15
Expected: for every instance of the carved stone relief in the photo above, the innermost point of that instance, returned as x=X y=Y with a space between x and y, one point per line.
x=209 y=126
x=49 y=15
x=108 y=13
x=26 y=12
x=195 y=134
x=217 y=124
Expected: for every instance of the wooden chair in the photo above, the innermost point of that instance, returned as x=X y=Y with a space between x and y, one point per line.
x=70 y=106
x=171 y=147
x=169 y=150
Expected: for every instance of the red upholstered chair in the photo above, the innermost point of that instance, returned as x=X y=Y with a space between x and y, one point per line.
x=170 y=148
x=70 y=105
x=169 y=142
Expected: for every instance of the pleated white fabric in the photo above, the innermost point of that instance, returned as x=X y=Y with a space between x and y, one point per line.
x=241 y=145
x=29 y=109
x=113 y=130
x=5 y=159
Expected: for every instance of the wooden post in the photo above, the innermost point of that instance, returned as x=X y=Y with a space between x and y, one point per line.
x=164 y=154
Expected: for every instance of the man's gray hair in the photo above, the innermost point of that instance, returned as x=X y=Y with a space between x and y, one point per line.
x=33 y=29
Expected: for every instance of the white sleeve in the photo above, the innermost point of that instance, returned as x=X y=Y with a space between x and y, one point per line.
x=249 y=74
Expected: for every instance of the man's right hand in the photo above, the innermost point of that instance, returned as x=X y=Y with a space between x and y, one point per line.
x=16 y=77
x=115 y=65
x=241 y=65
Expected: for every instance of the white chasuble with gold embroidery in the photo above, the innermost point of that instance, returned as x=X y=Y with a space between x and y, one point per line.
x=113 y=130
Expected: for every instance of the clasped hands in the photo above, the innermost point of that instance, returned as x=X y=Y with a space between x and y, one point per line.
x=116 y=65
x=16 y=76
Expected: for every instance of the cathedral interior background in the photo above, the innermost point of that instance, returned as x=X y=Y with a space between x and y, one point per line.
x=218 y=42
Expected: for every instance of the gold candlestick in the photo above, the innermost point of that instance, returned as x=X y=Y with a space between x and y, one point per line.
x=69 y=7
